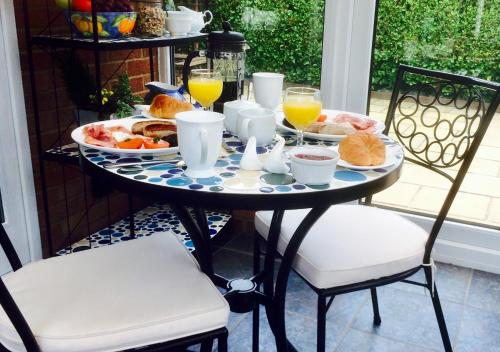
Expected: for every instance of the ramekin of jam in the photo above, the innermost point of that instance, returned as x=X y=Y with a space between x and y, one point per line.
x=313 y=165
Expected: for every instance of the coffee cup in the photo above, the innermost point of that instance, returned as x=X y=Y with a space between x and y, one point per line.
x=231 y=109
x=268 y=88
x=257 y=122
x=199 y=134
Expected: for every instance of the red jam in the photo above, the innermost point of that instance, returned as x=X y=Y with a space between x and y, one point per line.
x=313 y=157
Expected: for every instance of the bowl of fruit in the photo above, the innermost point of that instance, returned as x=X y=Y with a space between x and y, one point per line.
x=115 y=18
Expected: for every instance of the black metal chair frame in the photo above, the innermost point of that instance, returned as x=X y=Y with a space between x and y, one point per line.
x=400 y=93
x=10 y=307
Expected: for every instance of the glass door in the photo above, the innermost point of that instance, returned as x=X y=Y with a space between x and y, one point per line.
x=455 y=36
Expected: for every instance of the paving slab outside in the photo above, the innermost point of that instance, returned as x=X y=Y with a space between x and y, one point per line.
x=422 y=190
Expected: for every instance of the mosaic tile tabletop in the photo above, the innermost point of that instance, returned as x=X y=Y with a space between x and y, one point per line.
x=230 y=178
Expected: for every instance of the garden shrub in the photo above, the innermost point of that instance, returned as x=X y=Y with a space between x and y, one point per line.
x=284 y=36
x=449 y=35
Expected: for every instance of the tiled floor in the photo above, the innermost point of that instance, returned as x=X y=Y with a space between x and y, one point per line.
x=470 y=299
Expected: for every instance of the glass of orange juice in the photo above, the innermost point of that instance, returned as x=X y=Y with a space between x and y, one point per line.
x=205 y=86
x=302 y=106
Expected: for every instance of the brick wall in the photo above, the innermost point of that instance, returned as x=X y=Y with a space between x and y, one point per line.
x=69 y=191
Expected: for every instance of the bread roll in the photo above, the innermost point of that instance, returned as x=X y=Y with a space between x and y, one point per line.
x=362 y=149
x=165 y=107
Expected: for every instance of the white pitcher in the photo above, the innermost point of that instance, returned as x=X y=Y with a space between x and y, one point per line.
x=197 y=19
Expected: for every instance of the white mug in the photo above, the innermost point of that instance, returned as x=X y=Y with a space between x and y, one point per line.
x=257 y=122
x=231 y=109
x=268 y=89
x=200 y=139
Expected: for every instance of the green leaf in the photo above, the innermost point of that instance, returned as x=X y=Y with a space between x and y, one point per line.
x=118 y=19
x=104 y=34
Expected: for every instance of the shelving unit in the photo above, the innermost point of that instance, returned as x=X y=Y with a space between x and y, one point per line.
x=51 y=39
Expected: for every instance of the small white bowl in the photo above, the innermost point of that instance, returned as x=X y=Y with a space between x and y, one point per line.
x=178 y=25
x=313 y=172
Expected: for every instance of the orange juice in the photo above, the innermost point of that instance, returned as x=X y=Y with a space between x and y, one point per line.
x=302 y=113
x=205 y=90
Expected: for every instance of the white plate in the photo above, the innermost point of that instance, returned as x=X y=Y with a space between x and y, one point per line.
x=391 y=153
x=78 y=136
x=379 y=127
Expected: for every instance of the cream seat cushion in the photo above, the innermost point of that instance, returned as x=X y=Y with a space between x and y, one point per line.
x=350 y=244
x=130 y=294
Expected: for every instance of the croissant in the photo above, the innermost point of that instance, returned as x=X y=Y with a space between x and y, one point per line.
x=362 y=149
x=165 y=107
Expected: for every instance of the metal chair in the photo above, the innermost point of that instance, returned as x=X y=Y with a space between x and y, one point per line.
x=379 y=247
x=143 y=295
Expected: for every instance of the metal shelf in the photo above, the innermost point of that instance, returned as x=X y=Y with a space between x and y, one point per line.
x=65 y=41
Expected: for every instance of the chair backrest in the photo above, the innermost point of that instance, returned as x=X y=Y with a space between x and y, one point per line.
x=7 y=301
x=440 y=119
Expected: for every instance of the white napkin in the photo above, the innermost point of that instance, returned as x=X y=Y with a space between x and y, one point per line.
x=250 y=160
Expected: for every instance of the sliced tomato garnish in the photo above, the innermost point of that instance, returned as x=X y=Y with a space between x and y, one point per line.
x=322 y=118
x=131 y=143
x=155 y=143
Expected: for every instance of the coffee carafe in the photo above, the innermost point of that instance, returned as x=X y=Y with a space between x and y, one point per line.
x=226 y=54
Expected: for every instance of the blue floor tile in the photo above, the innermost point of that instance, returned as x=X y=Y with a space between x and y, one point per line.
x=301 y=332
x=409 y=318
x=485 y=291
x=452 y=282
x=231 y=264
x=358 y=341
x=480 y=331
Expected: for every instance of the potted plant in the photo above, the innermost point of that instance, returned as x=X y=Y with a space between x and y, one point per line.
x=82 y=88
x=122 y=100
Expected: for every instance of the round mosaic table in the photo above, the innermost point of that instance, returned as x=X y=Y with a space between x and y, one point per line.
x=234 y=188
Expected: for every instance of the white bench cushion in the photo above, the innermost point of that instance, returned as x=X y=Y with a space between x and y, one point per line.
x=130 y=294
x=350 y=244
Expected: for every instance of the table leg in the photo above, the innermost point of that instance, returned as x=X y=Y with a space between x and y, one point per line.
x=276 y=309
x=203 y=253
x=271 y=253
x=201 y=218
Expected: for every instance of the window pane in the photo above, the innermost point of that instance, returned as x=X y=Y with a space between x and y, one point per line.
x=455 y=36
x=284 y=36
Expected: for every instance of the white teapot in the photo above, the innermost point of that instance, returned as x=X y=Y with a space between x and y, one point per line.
x=197 y=18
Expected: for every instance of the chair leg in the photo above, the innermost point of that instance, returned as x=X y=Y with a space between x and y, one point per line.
x=441 y=322
x=256 y=307
x=376 y=313
x=222 y=343
x=321 y=332
x=207 y=346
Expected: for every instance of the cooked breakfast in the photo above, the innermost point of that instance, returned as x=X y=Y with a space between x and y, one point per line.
x=150 y=134
x=362 y=149
x=342 y=124
x=165 y=107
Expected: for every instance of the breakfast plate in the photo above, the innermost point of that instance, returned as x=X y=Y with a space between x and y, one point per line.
x=378 y=128
x=391 y=157
x=79 y=137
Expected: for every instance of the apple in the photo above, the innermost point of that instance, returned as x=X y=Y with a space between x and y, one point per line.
x=81 y=5
x=63 y=4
